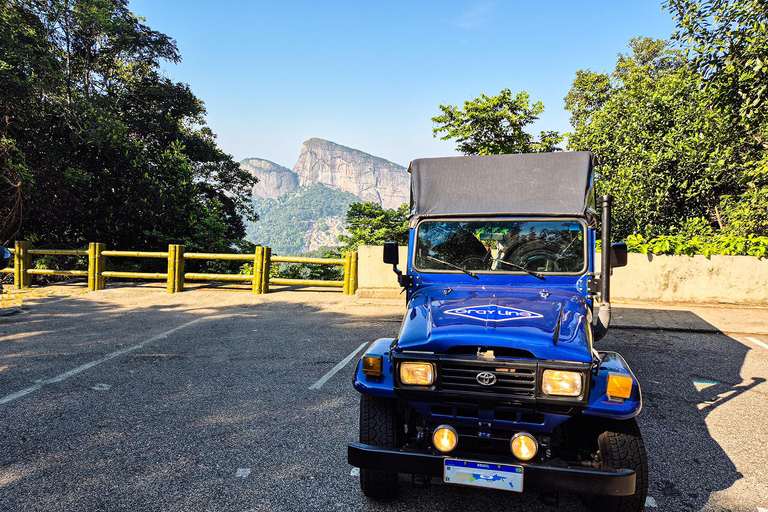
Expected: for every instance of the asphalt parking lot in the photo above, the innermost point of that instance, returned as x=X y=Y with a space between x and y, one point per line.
x=134 y=399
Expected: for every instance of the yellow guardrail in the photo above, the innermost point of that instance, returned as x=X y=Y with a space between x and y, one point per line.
x=175 y=277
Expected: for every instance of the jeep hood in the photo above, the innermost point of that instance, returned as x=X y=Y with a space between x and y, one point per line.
x=549 y=324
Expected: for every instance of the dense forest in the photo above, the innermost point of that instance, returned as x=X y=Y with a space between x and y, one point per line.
x=98 y=144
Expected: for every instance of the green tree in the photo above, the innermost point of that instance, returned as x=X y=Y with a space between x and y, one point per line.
x=117 y=152
x=495 y=125
x=728 y=44
x=668 y=158
x=370 y=224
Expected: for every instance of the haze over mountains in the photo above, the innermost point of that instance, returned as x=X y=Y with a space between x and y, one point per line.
x=303 y=209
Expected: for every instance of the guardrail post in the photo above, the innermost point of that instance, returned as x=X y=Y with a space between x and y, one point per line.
x=99 y=265
x=171 y=279
x=353 y=274
x=265 y=270
x=22 y=260
x=179 y=279
x=175 y=277
x=92 y=267
x=347 y=272
x=258 y=272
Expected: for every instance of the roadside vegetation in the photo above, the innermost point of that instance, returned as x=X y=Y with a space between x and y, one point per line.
x=97 y=144
x=679 y=127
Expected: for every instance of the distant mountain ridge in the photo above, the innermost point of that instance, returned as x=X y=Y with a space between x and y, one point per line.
x=344 y=175
x=369 y=177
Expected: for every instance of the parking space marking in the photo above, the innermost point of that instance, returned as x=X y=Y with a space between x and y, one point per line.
x=650 y=502
x=88 y=366
x=335 y=369
x=756 y=342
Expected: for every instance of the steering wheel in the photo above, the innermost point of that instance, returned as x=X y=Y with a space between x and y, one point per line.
x=533 y=256
x=474 y=263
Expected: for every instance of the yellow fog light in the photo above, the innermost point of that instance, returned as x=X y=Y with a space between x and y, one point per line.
x=417 y=374
x=445 y=438
x=561 y=383
x=524 y=446
x=619 y=386
x=372 y=365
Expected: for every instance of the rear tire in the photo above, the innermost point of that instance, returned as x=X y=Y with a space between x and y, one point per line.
x=379 y=426
x=621 y=446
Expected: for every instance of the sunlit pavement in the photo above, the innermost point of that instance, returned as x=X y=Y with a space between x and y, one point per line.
x=134 y=399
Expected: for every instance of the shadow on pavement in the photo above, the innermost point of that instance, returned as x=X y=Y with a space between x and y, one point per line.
x=687 y=368
x=169 y=426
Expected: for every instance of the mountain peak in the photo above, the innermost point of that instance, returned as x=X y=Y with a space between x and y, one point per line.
x=315 y=143
x=274 y=179
x=369 y=177
x=263 y=164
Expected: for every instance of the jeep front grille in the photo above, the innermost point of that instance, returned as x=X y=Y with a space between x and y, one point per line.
x=511 y=379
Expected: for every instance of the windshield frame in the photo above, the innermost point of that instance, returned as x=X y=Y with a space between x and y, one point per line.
x=511 y=271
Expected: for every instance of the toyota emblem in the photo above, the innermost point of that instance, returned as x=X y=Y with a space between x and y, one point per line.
x=486 y=378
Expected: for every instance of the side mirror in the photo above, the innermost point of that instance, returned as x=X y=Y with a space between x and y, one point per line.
x=391 y=253
x=5 y=257
x=618 y=255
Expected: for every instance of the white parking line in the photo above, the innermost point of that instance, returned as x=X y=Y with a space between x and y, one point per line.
x=335 y=369
x=756 y=342
x=88 y=366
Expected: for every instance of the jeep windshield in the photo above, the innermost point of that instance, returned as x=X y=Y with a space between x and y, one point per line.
x=498 y=246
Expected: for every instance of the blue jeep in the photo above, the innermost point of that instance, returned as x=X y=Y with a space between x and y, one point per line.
x=493 y=380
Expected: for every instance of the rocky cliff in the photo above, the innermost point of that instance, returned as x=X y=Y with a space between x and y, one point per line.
x=274 y=180
x=350 y=170
x=304 y=208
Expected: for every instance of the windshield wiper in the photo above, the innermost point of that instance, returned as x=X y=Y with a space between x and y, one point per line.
x=468 y=272
x=518 y=267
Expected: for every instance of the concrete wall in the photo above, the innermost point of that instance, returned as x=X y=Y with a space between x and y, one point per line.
x=374 y=278
x=730 y=279
x=733 y=279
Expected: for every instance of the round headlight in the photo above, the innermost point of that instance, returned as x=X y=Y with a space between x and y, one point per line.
x=524 y=446
x=445 y=438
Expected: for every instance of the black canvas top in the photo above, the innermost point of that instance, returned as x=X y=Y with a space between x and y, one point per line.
x=520 y=184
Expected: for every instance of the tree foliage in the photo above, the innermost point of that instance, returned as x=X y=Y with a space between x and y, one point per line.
x=285 y=221
x=728 y=44
x=97 y=144
x=700 y=243
x=492 y=125
x=370 y=224
x=671 y=160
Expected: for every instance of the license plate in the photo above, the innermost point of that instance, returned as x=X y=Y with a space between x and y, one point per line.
x=483 y=474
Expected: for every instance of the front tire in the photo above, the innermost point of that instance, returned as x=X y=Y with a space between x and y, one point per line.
x=621 y=446
x=379 y=426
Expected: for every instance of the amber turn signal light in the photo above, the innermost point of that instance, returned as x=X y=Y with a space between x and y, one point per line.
x=619 y=386
x=372 y=365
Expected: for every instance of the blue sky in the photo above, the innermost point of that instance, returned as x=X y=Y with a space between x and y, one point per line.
x=370 y=75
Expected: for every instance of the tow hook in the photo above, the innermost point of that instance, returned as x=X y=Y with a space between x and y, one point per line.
x=420 y=481
x=551 y=498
